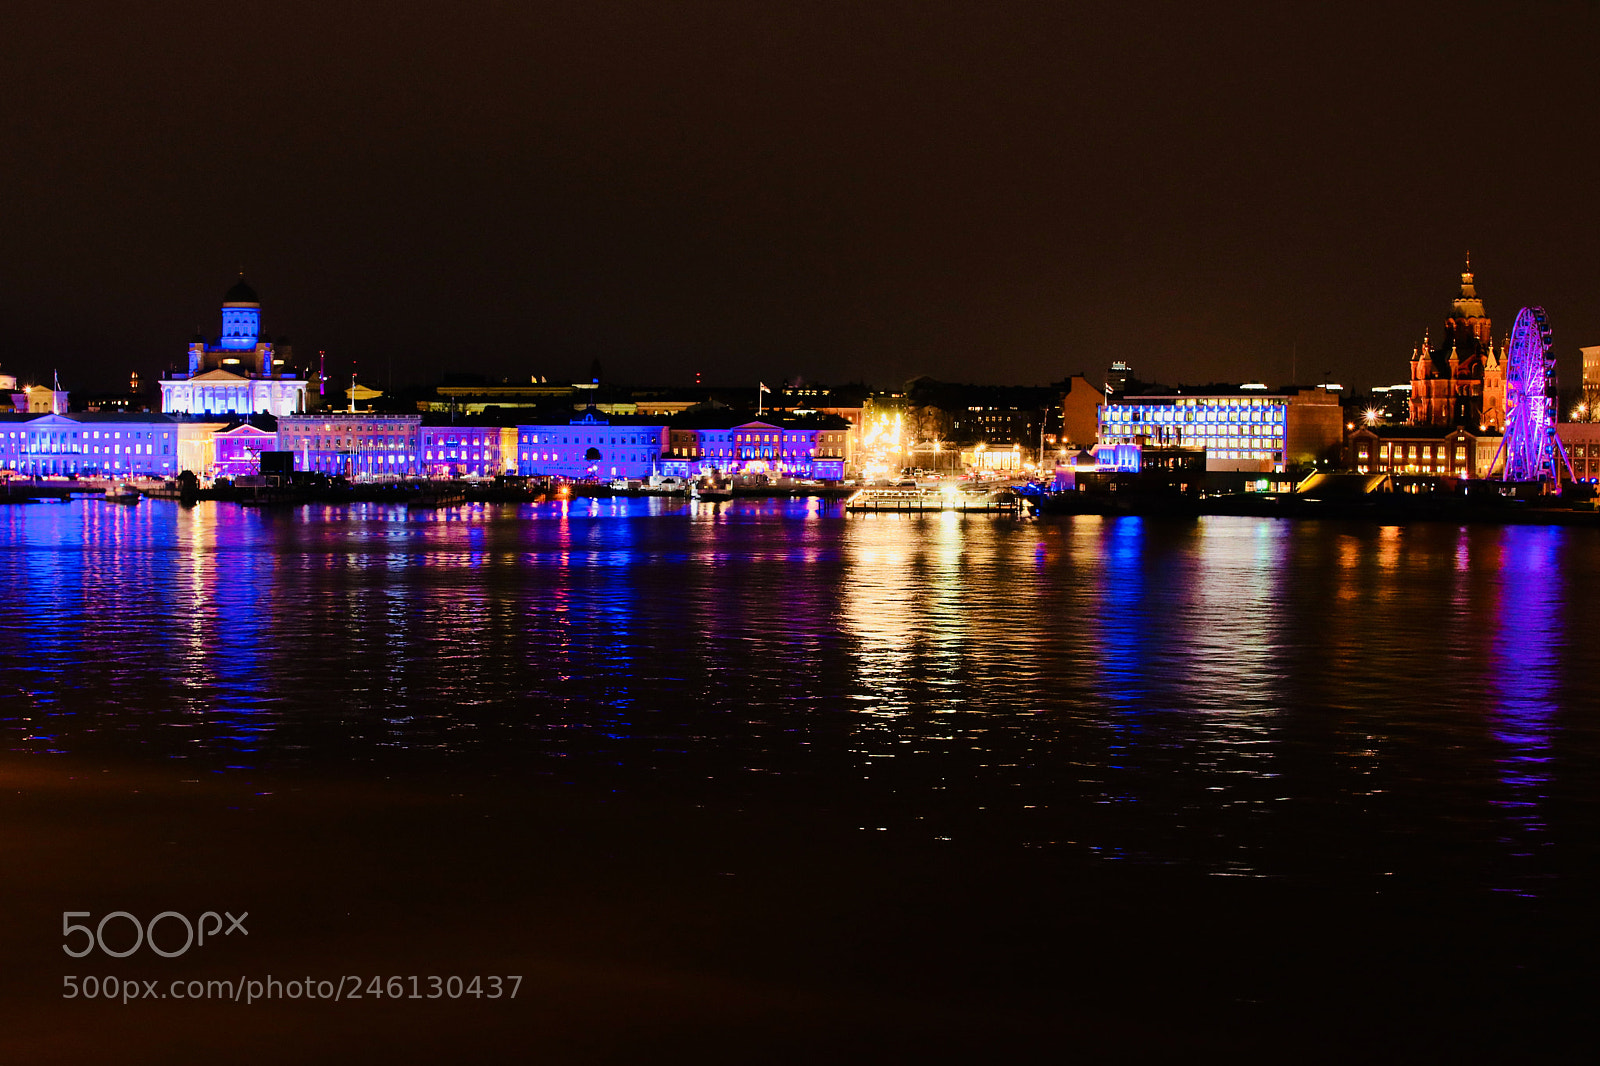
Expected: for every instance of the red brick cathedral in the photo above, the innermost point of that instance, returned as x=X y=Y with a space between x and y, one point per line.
x=1461 y=381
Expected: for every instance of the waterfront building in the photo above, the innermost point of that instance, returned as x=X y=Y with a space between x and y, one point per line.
x=1136 y=458
x=810 y=446
x=90 y=445
x=353 y=445
x=700 y=442
x=593 y=445
x=238 y=450
x=1241 y=427
x=240 y=372
x=1582 y=442
x=1461 y=452
x=462 y=449
x=1458 y=452
x=197 y=449
x=1002 y=459
x=1460 y=381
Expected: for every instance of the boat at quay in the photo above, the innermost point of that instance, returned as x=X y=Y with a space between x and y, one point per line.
x=121 y=492
x=925 y=500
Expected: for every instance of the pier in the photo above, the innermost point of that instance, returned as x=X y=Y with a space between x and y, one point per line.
x=920 y=501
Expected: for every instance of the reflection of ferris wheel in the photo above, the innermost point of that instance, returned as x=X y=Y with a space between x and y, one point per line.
x=1530 y=445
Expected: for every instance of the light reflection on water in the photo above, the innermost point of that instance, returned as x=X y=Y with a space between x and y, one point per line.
x=1257 y=697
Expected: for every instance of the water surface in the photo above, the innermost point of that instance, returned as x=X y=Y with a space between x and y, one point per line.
x=1312 y=701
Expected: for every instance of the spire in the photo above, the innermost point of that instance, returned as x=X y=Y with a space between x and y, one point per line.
x=241 y=293
x=1468 y=290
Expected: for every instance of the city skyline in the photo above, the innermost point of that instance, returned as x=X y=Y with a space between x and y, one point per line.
x=1013 y=194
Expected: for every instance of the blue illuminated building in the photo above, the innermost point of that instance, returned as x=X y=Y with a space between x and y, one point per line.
x=241 y=321
x=238 y=374
x=117 y=444
x=689 y=445
x=1240 y=427
x=812 y=446
x=593 y=446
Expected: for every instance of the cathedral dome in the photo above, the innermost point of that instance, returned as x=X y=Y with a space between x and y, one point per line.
x=241 y=293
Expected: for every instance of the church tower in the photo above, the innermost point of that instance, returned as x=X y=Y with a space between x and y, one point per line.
x=1467 y=328
x=238 y=375
x=1459 y=381
x=241 y=317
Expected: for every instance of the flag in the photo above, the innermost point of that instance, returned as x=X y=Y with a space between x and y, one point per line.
x=764 y=387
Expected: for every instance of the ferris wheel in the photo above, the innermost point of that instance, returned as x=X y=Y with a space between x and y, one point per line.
x=1531 y=446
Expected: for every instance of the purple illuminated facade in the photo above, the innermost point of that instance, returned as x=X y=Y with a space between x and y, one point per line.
x=459 y=450
x=815 y=447
x=91 y=445
x=592 y=446
x=238 y=450
x=353 y=445
x=617 y=446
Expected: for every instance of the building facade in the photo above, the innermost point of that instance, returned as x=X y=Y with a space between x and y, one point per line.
x=89 y=445
x=1459 y=453
x=1582 y=442
x=814 y=447
x=463 y=450
x=342 y=444
x=239 y=373
x=1080 y=413
x=620 y=446
x=592 y=446
x=1460 y=381
x=237 y=450
x=39 y=400
x=1243 y=428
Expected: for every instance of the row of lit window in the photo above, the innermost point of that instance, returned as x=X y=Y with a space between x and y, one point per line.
x=533 y=438
x=553 y=457
x=95 y=449
x=86 y=435
x=1410 y=468
x=71 y=467
x=1410 y=451
x=1173 y=415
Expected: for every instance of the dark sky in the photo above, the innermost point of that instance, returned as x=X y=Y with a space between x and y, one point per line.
x=978 y=191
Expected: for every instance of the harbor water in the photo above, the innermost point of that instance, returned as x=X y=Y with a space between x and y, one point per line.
x=1125 y=783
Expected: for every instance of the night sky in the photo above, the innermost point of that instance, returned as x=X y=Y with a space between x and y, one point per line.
x=977 y=191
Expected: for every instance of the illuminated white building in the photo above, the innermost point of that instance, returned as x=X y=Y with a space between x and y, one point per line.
x=238 y=375
x=1246 y=428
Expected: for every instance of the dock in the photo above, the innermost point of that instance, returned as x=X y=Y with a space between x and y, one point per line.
x=921 y=501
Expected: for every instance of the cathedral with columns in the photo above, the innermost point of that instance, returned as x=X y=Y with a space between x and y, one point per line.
x=1460 y=381
x=239 y=374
